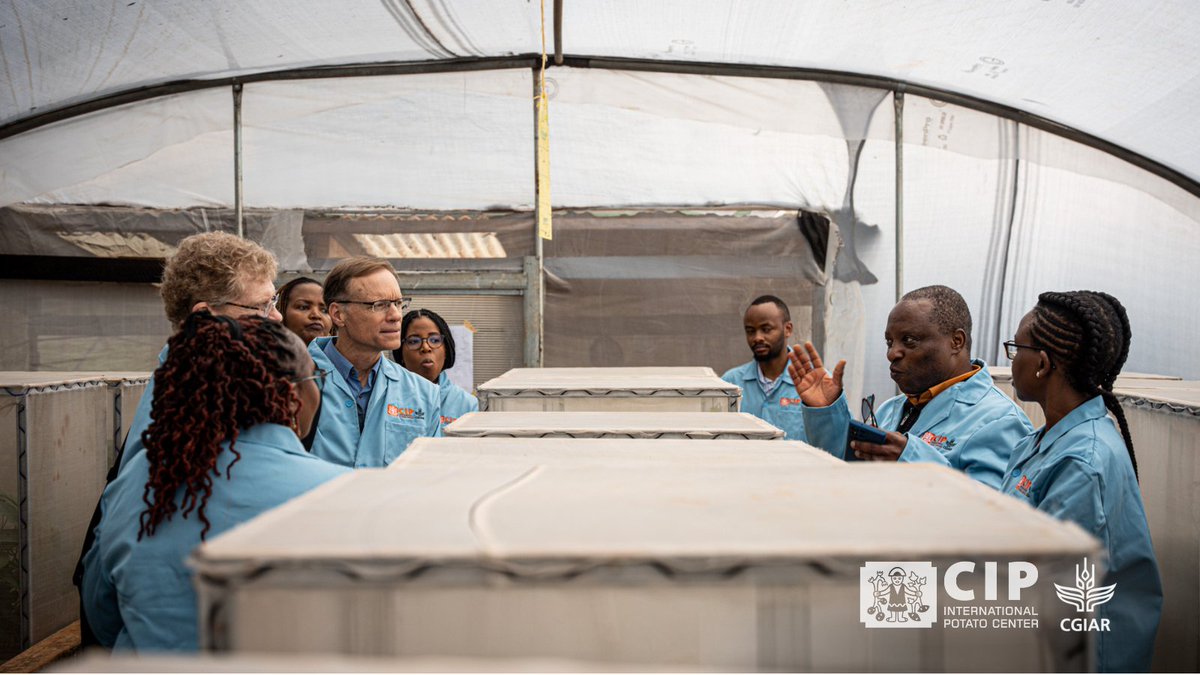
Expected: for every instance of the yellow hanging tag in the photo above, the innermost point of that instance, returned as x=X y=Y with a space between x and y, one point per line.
x=543 y=168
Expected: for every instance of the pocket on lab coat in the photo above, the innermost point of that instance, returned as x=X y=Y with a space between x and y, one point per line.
x=397 y=435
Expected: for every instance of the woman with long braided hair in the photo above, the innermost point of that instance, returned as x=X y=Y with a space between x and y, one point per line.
x=230 y=402
x=1066 y=355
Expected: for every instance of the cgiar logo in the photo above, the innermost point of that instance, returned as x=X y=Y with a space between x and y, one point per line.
x=898 y=594
x=1086 y=596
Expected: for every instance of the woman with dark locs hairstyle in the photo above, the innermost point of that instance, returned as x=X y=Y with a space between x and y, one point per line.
x=1066 y=355
x=230 y=403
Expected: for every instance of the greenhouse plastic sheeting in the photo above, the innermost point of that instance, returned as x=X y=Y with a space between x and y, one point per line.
x=234 y=39
x=1000 y=209
x=125 y=232
x=416 y=141
x=169 y=152
x=1058 y=216
x=57 y=432
x=72 y=325
x=1083 y=64
x=432 y=141
x=683 y=143
x=994 y=208
x=686 y=564
x=689 y=425
x=661 y=389
x=652 y=287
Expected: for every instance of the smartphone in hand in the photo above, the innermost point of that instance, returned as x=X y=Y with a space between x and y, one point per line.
x=863 y=432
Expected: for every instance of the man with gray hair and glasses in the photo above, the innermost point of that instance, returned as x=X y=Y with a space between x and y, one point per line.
x=371 y=408
x=214 y=271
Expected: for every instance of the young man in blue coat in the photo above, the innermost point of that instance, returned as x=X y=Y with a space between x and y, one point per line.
x=949 y=411
x=768 y=392
x=371 y=408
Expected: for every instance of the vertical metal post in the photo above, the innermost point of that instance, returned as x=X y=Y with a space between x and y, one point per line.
x=237 y=158
x=23 y=573
x=116 y=448
x=898 y=106
x=535 y=288
x=558 y=22
x=540 y=287
x=533 y=312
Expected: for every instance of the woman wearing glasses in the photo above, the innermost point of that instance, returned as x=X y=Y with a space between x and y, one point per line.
x=427 y=349
x=229 y=404
x=1065 y=357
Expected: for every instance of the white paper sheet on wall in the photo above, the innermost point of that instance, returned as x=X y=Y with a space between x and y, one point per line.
x=463 y=372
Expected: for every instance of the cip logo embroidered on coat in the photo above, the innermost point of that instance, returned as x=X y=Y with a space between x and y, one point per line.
x=940 y=442
x=1024 y=484
x=405 y=413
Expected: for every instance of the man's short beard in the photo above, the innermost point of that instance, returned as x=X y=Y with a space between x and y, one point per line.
x=772 y=354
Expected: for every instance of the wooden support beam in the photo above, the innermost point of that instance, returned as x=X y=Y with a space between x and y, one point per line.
x=63 y=644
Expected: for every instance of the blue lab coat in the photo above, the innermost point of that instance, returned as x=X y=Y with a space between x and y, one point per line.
x=782 y=409
x=456 y=402
x=138 y=594
x=403 y=406
x=971 y=426
x=1081 y=472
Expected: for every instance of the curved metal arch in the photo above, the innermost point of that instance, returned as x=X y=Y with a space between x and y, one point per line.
x=1175 y=177
x=308 y=73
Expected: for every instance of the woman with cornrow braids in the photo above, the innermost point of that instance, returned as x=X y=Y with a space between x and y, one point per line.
x=1065 y=356
x=230 y=403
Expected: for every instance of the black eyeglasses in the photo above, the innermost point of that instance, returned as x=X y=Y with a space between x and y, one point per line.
x=379 y=305
x=868 y=411
x=1010 y=348
x=414 y=343
x=318 y=377
x=261 y=310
